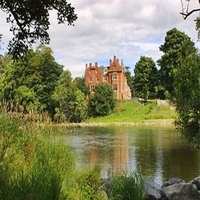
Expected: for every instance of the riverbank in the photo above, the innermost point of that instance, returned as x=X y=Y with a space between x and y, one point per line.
x=158 y=122
x=133 y=112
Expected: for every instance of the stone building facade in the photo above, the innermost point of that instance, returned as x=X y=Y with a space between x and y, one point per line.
x=114 y=74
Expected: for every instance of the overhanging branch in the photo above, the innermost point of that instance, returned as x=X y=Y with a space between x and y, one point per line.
x=186 y=15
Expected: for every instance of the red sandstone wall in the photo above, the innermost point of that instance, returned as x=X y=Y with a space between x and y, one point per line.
x=114 y=76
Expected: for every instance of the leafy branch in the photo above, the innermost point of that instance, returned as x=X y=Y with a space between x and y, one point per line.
x=30 y=21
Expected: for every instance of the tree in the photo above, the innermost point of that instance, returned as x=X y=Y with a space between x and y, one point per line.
x=62 y=90
x=80 y=107
x=145 y=78
x=49 y=72
x=186 y=12
x=79 y=82
x=4 y=61
x=27 y=98
x=102 y=102
x=38 y=73
x=129 y=78
x=171 y=59
x=187 y=92
x=30 y=21
x=71 y=104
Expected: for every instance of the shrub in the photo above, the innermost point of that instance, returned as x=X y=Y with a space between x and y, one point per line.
x=103 y=101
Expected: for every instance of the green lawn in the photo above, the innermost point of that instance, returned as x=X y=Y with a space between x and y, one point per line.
x=127 y=111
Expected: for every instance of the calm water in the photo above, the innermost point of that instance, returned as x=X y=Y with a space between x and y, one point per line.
x=158 y=153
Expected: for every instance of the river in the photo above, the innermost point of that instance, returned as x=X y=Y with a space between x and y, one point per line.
x=158 y=153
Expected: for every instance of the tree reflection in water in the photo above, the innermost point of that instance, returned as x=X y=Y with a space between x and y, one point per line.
x=159 y=153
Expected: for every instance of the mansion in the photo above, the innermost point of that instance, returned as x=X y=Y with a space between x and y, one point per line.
x=114 y=74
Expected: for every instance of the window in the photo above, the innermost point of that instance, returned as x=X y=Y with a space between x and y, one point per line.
x=115 y=87
x=92 y=87
x=114 y=77
x=90 y=79
x=97 y=79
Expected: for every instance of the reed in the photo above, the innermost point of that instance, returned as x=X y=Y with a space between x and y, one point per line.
x=33 y=166
x=127 y=187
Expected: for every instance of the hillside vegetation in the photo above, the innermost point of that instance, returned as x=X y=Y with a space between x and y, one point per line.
x=132 y=111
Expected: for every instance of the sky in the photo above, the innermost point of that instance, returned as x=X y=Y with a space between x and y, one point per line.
x=127 y=29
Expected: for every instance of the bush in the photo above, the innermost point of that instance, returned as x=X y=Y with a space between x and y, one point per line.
x=103 y=101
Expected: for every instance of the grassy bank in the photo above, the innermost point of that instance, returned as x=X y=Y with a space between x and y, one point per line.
x=131 y=111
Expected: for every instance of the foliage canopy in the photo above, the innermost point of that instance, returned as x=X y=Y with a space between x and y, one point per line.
x=145 y=78
x=102 y=102
x=176 y=44
x=187 y=92
x=71 y=104
x=30 y=21
x=31 y=80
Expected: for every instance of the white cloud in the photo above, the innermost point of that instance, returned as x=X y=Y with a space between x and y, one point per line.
x=128 y=29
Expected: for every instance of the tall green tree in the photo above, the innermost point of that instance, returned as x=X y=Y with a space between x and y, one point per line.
x=38 y=73
x=80 y=107
x=129 y=78
x=71 y=103
x=49 y=72
x=102 y=102
x=61 y=91
x=145 y=78
x=30 y=21
x=27 y=98
x=187 y=93
x=4 y=61
x=171 y=59
x=79 y=82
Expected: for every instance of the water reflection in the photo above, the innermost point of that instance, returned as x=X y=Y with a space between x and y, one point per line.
x=158 y=153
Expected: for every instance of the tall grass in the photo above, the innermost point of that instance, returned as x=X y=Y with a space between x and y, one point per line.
x=127 y=187
x=33 y=167
x=30 y=166
x=86 y=185
x=161 y=112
